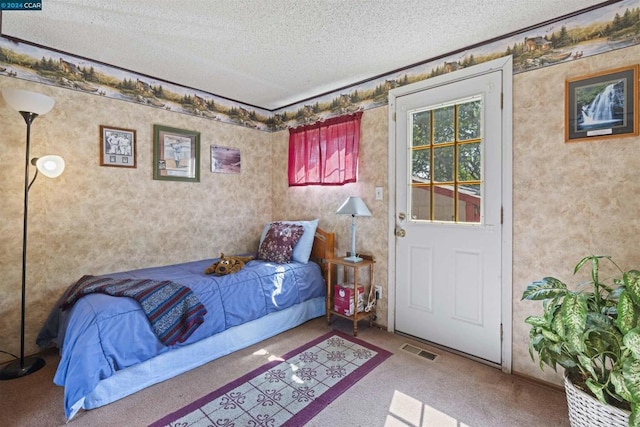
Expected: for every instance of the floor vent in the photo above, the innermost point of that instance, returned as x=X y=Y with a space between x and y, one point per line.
x=418 y=351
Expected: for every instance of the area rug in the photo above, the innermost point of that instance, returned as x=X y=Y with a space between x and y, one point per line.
x=288 y=391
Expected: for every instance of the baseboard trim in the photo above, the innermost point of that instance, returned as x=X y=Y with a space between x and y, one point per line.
x=538 y=381
x=382 y=327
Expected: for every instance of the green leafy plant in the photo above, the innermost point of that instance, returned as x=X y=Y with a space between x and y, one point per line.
x=593 y=332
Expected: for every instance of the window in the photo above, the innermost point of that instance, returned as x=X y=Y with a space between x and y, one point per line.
x=446 y=162
x=325 y=153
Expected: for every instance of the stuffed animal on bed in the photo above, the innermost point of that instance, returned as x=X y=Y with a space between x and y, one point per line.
x=228 y=265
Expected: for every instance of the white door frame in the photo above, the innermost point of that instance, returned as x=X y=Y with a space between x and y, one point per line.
x=505 y=65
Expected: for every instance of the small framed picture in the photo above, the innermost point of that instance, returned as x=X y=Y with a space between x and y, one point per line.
x=602 y=105
x=117 y=147
x=176 y=154
x=225 y=159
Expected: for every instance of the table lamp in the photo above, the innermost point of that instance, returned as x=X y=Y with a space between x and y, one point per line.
x=353 y=206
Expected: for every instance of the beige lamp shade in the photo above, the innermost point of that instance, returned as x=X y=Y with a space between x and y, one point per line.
x=30 y=102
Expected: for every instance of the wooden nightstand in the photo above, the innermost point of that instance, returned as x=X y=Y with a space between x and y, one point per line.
x=341 y=263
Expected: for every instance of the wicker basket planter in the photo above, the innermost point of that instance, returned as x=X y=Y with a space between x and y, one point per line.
x=587 y=411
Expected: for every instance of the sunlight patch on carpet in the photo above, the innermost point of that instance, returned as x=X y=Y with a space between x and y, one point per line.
x=288 y=392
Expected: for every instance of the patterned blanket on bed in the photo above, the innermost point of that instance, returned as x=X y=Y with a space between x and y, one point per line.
x=173 y=310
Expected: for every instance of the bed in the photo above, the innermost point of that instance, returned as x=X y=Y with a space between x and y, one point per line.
x=109 y=350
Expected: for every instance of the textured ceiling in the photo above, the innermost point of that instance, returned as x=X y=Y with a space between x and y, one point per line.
x=272 y=53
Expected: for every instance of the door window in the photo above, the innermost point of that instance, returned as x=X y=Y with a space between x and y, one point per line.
x=446 y=162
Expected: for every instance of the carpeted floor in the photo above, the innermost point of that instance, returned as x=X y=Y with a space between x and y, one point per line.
x=405 y=390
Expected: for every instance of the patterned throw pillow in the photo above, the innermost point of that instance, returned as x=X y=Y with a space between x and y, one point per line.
x=278 y=244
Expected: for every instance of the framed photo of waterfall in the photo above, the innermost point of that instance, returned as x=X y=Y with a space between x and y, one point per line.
x=602 y=105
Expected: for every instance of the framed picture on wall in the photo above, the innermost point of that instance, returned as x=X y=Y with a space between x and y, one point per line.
x=225 y=159
x=117 y=147
x=176 y=154
x=602 y=105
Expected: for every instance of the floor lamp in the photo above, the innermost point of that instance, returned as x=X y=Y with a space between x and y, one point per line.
x=30 y=105
x=353 y=206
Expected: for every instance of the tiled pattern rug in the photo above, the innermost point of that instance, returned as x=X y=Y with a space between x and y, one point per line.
x=289 y=391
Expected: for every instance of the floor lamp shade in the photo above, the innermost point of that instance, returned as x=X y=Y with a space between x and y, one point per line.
x=353 y=206
x=30 y=102
x=50 y=166
x=30 y=105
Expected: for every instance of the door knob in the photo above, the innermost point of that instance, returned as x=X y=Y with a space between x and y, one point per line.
x=400 y=232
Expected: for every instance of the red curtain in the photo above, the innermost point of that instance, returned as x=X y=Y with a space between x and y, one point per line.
x=325 y=153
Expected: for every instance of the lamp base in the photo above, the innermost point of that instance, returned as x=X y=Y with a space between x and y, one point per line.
x=353 y=259
x=16 y=369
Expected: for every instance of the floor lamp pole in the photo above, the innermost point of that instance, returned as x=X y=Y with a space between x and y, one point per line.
x=24 y=366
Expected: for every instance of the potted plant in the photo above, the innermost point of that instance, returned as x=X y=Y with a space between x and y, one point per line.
x=593 y=332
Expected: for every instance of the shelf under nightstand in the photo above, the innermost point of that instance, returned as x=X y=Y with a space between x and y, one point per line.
x=341 y=263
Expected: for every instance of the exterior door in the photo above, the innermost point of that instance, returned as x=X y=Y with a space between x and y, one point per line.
x=448 y=215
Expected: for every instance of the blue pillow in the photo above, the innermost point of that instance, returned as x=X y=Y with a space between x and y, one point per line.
x=302 y=249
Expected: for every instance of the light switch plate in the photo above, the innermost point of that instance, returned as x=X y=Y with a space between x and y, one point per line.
x=379 y=193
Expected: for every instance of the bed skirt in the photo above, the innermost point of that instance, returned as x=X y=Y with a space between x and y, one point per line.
x=170 y=364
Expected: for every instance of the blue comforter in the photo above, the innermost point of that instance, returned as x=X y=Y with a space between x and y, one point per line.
x=102 y=334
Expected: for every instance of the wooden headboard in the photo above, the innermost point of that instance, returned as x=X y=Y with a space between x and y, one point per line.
x=323 y=248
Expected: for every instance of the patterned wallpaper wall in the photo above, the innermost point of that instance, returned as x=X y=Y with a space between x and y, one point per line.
x=322 y=202
x=95 y=219
x=570 y=199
